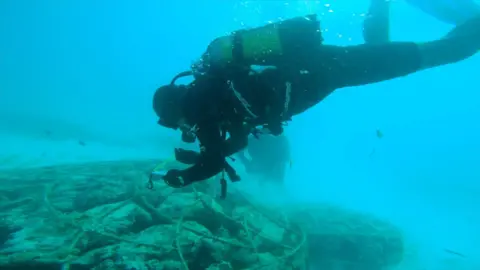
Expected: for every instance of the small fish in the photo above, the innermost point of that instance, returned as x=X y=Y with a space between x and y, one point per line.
x=454 y=253
x=379 y=134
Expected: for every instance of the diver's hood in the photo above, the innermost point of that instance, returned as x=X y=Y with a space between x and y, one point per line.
x=168 y=102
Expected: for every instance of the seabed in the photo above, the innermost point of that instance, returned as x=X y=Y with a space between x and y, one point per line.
x=101 y=216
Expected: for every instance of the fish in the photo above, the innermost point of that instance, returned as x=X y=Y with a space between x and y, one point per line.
x=454 y=253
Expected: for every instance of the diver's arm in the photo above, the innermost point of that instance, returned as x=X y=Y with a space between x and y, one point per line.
x=211 y=159
x=189 y=157
x=214 y=150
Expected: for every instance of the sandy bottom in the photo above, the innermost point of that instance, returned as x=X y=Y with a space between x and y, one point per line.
x=23 y=152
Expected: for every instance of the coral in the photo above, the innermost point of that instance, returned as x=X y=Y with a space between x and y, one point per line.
x=102 y=216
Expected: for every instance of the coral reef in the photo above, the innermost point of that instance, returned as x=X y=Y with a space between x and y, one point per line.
x=102 y=216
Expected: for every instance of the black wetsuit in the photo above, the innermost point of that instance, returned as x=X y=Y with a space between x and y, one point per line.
x=214 y=110
x=275 y=95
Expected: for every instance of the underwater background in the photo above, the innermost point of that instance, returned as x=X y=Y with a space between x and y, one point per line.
x=77 y=80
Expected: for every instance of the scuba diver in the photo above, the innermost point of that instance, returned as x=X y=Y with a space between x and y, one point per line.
x=269 y=157
x=228 y=99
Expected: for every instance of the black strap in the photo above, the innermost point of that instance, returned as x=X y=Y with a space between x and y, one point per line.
x=223 y=187
x=180 y=75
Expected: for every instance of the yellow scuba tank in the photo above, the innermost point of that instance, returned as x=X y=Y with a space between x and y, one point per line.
x=269 y=45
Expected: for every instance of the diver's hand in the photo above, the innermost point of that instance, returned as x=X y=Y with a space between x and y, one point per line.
x=174 y=179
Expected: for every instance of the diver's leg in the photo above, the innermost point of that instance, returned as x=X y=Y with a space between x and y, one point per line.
x=460 y=43
x=376 y=26
x=365 y=64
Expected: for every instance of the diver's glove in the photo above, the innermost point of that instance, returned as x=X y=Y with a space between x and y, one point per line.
x=174 y=179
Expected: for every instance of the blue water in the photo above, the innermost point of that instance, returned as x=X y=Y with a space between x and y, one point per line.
x=77 y=78
x=449 y=11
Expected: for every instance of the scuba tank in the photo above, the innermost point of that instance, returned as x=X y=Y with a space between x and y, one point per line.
x=275 y=44
x=287 y=44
